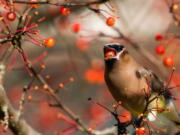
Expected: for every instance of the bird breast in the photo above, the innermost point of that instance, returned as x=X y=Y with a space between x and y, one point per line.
x=126 y=87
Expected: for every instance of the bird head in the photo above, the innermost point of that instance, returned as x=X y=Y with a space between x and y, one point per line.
x=113 y=51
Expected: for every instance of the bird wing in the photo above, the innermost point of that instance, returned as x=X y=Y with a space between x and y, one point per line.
x=157 y=86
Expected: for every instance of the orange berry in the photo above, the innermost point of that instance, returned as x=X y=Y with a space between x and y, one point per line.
x=61 y=85
x=110 y=21
x=45 y=87
x=76 y=27
x=168 y=61
x=125 y=117
x=160 y=49
x=29 y=97
x=34 y=5
x=64 y=11
x=43 y=66
x=36 y=87
x=114 y=105
x=49 y=42
x=11 y=16
x=175 y=7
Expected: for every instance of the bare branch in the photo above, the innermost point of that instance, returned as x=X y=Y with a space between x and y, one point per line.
x=56 y=3
x=18 y=127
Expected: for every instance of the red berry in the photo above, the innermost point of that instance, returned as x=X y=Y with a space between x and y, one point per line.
x=11 y=16
x=76 y=27
x=160 y=49
x=110 y=21
x=49 y=42
x=82 y=44
x=64 y=11
x=168 y=61
x=159 y=37
x=140 y=131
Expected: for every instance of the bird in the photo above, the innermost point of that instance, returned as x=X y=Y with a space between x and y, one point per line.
x=134 y=85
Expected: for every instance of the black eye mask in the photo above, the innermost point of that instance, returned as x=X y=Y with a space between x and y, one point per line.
x=116 y=47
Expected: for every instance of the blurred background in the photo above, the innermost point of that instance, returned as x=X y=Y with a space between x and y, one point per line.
x=74 y=66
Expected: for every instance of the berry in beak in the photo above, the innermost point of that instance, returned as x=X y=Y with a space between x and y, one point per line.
x=109 y=52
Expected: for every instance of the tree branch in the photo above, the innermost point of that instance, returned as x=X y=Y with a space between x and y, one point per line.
x=56 y=3
x=18 y=127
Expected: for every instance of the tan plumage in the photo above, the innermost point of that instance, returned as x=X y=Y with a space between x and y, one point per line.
x=129 y=82
x=124 y=84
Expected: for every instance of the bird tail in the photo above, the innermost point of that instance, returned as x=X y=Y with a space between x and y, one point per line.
x=172 y=113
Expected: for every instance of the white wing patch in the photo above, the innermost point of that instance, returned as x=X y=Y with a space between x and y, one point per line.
x=152 y=116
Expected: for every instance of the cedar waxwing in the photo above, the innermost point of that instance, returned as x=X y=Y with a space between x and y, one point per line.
x=131 y=83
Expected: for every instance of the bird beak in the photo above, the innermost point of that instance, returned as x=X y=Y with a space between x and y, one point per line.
x=109 y=52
